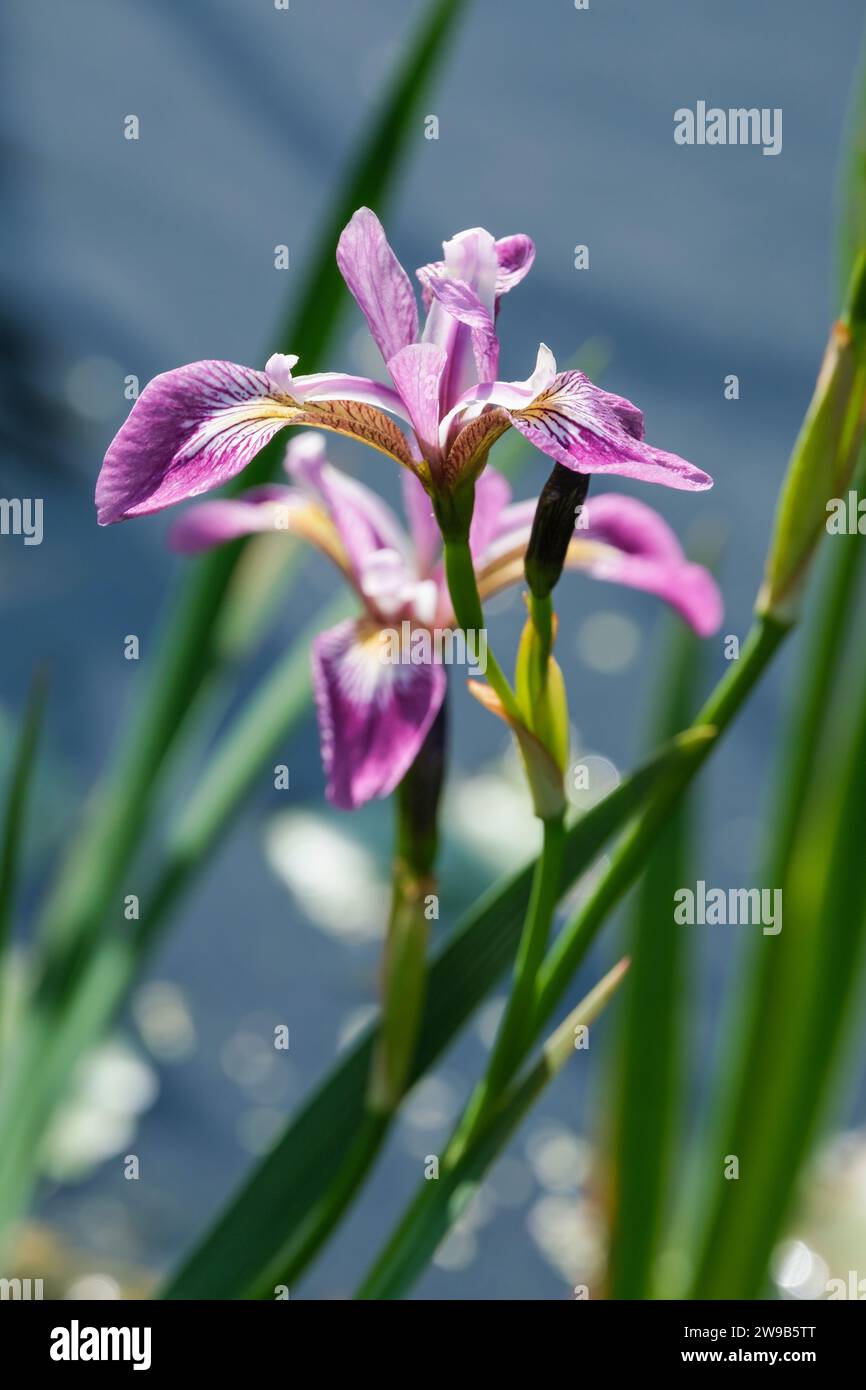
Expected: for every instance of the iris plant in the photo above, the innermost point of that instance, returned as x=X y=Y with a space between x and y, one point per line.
x=438 y=417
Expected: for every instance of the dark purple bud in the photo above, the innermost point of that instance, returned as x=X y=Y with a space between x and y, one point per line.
x=553 y=525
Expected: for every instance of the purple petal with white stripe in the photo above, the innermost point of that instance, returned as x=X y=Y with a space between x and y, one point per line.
x=373 y=717
x=470 y=259
x=591 y=431
x=190 y=430
x=581 y=426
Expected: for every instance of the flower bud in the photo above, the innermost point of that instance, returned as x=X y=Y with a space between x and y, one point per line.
x=823 y=459
x=553 y=525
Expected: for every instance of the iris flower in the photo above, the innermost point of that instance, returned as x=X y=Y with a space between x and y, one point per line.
x=375 y=714
x=194 y=428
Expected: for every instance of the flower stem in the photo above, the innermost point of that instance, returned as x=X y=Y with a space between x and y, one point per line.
x=541 y=613
x=516 y=1025
x=460 y=574
x=405 y=957
x=416 y=803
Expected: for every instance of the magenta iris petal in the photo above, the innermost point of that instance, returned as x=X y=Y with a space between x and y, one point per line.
x=515 y=255
x=214 y=523
x=649 y=558
x=423 y=527
x=470 y=259
x=363 y=521
x=416 y=371
x=373 y=717
x=589 y=430
x=464 y=305
x=189 y=431
x=379 y=283
x=492 y=496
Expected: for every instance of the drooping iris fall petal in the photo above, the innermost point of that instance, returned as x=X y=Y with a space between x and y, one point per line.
x=575 y=422
x=195 y=428
x=373 y=716
x=622 y=540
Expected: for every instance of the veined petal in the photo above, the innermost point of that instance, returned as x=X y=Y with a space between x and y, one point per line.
x=190 y=430
x=511 y=395
x=472 y=444
x=625 y=541
x=592 y=431
x=379 y=283
x=515 y=255
x=575 y=422
x=270 y=509
x=416 y=371
x=194 y=428
x=373 y=716
x=364 y=522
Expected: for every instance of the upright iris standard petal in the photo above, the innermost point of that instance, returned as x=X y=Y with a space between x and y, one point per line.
x=515 y=255
x=373 y=716
x=462 y=303
x=471 y=264
x=379 y=283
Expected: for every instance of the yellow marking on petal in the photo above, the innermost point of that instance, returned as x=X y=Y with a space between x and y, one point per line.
x=507 y=568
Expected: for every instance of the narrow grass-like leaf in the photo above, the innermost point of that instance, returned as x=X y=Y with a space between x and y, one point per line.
x=441 y=1203
x=817 y=959
x=258 y=1224
x=852 y=192
x=649 y=1057
x=761 y=1018
x=15 y=806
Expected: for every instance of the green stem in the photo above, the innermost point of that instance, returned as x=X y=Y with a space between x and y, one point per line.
x=723 y=704
x=405 y=956
x=460 y=574
x=511 y=1039
x=541 y=613
x=416 y=804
